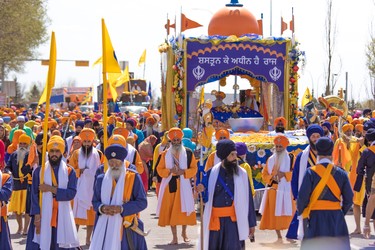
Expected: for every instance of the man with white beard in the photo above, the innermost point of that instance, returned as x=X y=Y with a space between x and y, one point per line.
x=85 y=160
x=149 y=130
x=176 y=202
x=16 y=165
x=277 y=207
x=118 y=199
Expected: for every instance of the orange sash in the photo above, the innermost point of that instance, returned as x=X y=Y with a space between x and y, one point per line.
x=326 y=180
x=55 y=203
x=4 y=208
x=218 y=212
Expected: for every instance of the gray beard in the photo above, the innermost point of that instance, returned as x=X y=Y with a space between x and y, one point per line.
x=149 y=131
x=117 y=173
x=21 y=153
x=176 y=148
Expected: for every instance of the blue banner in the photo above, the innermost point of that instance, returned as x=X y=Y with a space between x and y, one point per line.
x=207 y=61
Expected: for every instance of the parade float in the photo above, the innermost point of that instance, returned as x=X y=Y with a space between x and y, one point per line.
x=234 y=46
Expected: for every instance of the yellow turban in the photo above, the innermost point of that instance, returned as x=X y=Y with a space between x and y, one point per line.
x=30 y=123
x=56 y=142
x=117 y=139
x=359 y=127
x=24 y=138
x=121 y=131
x=347 y=127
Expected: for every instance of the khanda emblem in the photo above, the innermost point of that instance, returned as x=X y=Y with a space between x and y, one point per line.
x=275 y=73
x=198 y=72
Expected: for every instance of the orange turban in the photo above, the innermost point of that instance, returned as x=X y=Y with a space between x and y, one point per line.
x=278 y=120
x=221 y=94
x=56 y=132
x=52 y=123
x=117 y=139
x=349 y=119
x=222 y=133
x=24 y=138
x=347 y=127
x=121 y=131
x=359 y=127
x=87 y=134
x=77 y=138
x=281 y=140
x=332 y=119
x=150 y=120
x=356 y=121
x=146 y=114
x=175 y=133
x=56 y=142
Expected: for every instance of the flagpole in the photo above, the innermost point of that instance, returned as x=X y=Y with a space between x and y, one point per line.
x=144 y=69
x=105 y=90
x=49 y=86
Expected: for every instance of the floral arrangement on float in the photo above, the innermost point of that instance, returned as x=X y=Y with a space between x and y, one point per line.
x=295 y=57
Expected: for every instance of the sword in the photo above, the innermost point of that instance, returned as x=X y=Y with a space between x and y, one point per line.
x=136 y=229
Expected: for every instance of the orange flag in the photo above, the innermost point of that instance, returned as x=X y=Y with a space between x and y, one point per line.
x=260 y=27
x=291 y=24
x=187 y=23
x=284 y=26
x=168 y=25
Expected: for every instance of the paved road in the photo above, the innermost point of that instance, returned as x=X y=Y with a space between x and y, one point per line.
x=159 y=236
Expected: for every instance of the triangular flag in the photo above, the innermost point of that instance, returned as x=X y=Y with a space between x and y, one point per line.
x=142 y=59
x=110 y=64
x=291 y=25
x=123 y=78
x=168 y=25
x=98 y=61
x=51 y=73
x=187 y=23
x=306 y=97
x=284 y=26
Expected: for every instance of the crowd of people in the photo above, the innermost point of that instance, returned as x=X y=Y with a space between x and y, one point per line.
x=82 y=182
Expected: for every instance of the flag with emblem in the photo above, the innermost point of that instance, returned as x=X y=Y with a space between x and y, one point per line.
x=306 y=97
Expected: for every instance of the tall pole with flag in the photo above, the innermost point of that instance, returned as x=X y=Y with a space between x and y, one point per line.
x=142 y=59
x=47 y=91
x=110 y=65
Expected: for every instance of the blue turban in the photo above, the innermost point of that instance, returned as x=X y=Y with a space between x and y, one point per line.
x=314 y=128
x=116 y=151
x=188 y=133
x=327 y=125
x=87 y=121
x=241 y=148
x=79 y=123
x=324 y=146
x=370 y=134
x=224 y=148
x=368 y=125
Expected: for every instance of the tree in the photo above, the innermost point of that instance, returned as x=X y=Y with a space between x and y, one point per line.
x=35 y=92
x=23 y=29
x=20 y=92
x=330 y=33
x=370 y=54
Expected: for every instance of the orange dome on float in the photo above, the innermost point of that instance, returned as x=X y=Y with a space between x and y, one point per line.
x=233 y=19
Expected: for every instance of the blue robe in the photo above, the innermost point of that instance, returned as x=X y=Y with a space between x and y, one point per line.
x=136 y=204
x=12 y=166
x=5 y=193
x=327 y=224
x=61 y=195
x=227 y=236
x=293 y=228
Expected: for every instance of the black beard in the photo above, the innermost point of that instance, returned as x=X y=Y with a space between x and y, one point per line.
x=54 y=163
x=312 y=145
x=280 y=130
x=231 y=167
x=86 y=150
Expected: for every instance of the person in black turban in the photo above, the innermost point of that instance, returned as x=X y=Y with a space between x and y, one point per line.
x=227 y=152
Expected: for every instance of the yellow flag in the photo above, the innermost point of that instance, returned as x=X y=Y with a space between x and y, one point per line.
x=109 y=60
x=306 y=97
x=142 y=59
x=123 y=78
x=110 y=64
x=201 y=99
x=51 y=73
x=98 y=61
